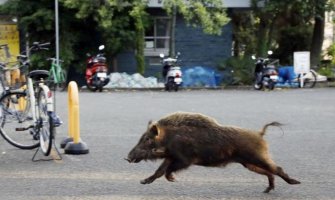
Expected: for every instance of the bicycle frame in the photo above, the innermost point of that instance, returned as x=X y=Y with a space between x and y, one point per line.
x=32 y=96
x=56 y=71
x=35 y=101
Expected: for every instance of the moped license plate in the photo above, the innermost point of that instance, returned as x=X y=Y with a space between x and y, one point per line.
x=177 y=80
x=102 y=75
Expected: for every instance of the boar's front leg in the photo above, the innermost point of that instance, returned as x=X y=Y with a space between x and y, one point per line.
x=159 y=172
x=175 y=166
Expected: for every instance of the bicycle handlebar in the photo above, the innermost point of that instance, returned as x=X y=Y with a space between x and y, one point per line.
x=54 y=59
x=38 y=46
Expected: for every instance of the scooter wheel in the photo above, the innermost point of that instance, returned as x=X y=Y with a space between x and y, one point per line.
x=176 y=88
x=271 y=85
x=258 y=86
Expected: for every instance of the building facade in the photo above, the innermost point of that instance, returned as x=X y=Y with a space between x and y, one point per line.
x=196 y=48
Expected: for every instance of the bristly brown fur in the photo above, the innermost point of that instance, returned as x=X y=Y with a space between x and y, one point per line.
x=185 y=139
x=187 y=119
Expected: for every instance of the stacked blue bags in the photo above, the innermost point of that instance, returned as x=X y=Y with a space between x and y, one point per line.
x=286 y=77
x=200 y=77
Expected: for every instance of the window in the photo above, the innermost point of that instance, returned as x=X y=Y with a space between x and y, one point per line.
x=157 y=37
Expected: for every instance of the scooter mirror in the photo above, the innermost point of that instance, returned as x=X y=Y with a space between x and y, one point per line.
x=161 y=55
x=101 y=47
x=253 y=57
x=270 y=52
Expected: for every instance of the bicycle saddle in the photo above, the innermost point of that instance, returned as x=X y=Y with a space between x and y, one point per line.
x=37 y=75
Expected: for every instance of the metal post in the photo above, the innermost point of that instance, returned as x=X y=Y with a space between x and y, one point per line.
x=57 y=31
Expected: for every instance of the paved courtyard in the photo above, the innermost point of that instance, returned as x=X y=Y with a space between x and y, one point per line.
x=112 y=123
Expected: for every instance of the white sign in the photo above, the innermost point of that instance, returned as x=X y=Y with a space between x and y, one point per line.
x=301 y=62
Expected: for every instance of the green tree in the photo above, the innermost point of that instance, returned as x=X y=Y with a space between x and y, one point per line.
x=115 y=17
x=112 y=20
x=36 y=21
x=120 y=25
x=210 y=15
x=139 y=15
x=305 y=20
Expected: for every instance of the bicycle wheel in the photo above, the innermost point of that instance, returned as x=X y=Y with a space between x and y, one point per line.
x=45 y=123
x=16 y=125
x=309 y=79
x=57 y=82
x=62 y=80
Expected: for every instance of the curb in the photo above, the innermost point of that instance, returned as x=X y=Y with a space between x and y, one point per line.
x=227 y=87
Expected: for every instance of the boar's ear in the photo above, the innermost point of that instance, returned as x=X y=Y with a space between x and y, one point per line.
x=150 y=123
x=153 y=129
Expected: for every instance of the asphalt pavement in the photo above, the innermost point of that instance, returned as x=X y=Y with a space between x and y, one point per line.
x=112 y=122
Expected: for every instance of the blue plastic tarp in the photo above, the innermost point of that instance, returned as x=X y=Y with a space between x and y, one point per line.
x=199 y=76
x=286 y=76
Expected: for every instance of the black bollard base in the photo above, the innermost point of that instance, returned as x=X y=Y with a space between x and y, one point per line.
x=65 y=141
x=76 y=148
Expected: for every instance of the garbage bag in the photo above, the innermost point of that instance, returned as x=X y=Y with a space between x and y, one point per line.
x=199 y=76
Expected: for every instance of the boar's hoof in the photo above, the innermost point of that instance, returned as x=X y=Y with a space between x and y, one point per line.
x=293 y=181
x=147 y=181
x=268 y=189
x=170 y=177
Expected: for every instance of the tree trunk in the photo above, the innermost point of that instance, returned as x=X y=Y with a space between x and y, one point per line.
x=172 y=49
x=317 y=40
x=139 y=54
x=263 y=35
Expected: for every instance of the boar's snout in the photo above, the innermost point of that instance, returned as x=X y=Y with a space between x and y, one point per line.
x=135 y=156
x=132 y=160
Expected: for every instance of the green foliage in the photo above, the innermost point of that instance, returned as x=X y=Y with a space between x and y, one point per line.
x=237 y=70
x=208 y=14
x=139 y=15
x=118 y=24
x=291 y=39
x=331 y=53
x=327 y=71
x=327 y=67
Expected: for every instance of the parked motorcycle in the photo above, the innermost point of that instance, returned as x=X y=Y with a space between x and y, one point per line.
x=96 y=71
x=172 y=73
x=266 y=74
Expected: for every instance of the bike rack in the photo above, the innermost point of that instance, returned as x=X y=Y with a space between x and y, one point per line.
x=59 y=156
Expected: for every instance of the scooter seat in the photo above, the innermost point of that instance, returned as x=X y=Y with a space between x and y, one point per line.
x=37 y=75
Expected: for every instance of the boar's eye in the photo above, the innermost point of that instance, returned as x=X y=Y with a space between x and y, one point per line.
x=148 y=140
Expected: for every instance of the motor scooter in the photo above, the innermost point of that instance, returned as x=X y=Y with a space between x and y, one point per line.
x=96 y=71
x=265 y=73
x=172 y=73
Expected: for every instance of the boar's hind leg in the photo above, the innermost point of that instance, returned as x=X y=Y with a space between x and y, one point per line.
x=175 y=165
x=259 y=170
x=159 y=172
x=280 y=172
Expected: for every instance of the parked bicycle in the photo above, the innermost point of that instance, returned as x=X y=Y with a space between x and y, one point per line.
x=308 y=79
x=27 y=118
x=57 y=75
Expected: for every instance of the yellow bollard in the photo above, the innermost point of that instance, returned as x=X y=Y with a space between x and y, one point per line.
x=22 y=101
x=22 y=104
x=73 y=144
x=73 y=102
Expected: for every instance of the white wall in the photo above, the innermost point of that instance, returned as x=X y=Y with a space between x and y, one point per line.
x=2 y=1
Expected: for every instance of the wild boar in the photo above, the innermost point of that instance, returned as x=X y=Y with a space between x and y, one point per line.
x=184 y=139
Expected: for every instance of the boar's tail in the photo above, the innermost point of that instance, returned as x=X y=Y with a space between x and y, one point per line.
x=262 y=133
